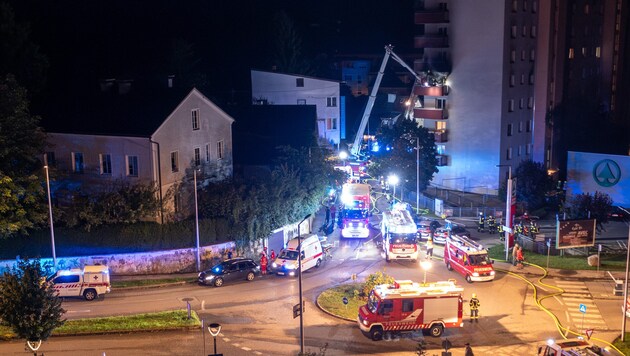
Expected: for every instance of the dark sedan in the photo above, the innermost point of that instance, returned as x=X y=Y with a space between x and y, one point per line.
x=440 y=235
x=235 y=269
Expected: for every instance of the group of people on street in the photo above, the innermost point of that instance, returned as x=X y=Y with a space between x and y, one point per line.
x=264 y=261
x=517 y=256
x=488 y=223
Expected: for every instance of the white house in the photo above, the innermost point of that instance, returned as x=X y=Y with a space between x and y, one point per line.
x=288 y=89
x=130 y=141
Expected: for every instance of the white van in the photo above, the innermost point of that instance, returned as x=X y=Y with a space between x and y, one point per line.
x=287 y=261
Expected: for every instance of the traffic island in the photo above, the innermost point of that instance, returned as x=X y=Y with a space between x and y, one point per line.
x=342 y=301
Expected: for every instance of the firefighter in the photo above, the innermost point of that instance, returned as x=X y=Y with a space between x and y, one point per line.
x=491 y=223
x=429 y=255
x=482 y=220
x=501 y=231
x=273 y=255
x=468 y=351
x=514 y=253
x=263 y=263
x=533 y=228
x=474 y=308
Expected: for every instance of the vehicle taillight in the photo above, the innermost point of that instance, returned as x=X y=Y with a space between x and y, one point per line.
x=415 y=248
x=391 y=248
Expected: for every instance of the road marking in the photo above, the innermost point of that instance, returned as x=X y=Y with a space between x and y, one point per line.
x=258 y=352
x=203 y=304
x=225 y=339
x=558 y=299
x=246 y=348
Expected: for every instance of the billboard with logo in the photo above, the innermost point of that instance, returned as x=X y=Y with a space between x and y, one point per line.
x=594 y=172
x=575 y=233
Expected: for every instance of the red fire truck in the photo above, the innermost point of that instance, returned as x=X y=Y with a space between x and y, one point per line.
x=468 y=258
x=356 y=210
x=408 y=306
x=400 y=234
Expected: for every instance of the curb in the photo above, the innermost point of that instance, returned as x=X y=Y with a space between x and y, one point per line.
x=328 y=312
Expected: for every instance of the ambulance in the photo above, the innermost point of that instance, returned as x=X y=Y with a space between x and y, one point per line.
x=89 y=282
x=571 y=347
x=400 y=234
x=312 y=255
x=468 y=258
x=407 y=306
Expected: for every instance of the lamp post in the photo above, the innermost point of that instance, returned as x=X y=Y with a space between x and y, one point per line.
x=214 y=330
x=50 y=216
x=300 y=285
x=426 y=265
x=393 y=180
x=417 y=175
x=508 y=209
x=625 y=284
x=197 y=223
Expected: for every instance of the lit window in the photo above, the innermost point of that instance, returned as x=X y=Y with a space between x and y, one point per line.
x=197 y=156
x=440 y=149
x=331 y=123
x=587 y=9
x=106 y=163
x=331 y=101
x=598 y=52
x=299 y=82
x=195 y=119
x=220 y=150
x=584 y=51
x=174 y=162
x=513 y=56
x=132 y=166
x=571 y=53
x=512 y=80
x=77 y=162
x=511 y=105
x=531 y=78
x=520 y=126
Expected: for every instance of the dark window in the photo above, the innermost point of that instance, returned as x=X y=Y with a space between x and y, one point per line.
x=387 y=307
x=299 y=82
x=407 y=305
x=50 y=159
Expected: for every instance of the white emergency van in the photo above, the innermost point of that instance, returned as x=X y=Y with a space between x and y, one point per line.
x=287 y=261
x=89 y=282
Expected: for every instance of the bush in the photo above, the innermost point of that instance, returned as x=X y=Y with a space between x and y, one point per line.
x=375 y=279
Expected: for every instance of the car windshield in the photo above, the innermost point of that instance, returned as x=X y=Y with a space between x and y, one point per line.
x=289 y=255
x=479 y=260
x=356 y=214
x=402 y=239
x=372 y=303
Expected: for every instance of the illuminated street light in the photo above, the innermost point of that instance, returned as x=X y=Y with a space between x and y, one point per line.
x=393 y=180
x=426 y=265
x=343 y=155
x=52 y=230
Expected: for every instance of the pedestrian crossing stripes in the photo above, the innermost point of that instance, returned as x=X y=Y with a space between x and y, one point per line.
x=578 y=298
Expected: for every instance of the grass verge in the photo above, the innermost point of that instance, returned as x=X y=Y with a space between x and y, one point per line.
x=168 y=320
x=331 y=300
x=624 y=347
x=613 y=263
x=149 y=282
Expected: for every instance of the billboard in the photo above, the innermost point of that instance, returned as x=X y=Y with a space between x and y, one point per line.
x=575 y=233
x=594 y=172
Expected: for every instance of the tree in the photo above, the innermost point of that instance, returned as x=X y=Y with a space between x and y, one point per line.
x=587 y=206
x=27 y=305
x=532 y=184
x=288 y=56
x=21 y=141
x=398 y=154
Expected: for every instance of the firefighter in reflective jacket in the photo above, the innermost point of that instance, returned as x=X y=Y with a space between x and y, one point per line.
x=491 y=225
x=482 y=220
x=474 y=308
x=500 y=229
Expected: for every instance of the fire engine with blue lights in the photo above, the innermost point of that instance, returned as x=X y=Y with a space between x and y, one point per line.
x=400 y=234
x=407 y=306
x=468 y=258
x=356 y=201
x=89 y=282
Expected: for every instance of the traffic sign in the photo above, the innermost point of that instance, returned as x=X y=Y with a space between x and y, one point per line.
x=345 y=300
x=296 y=310
x=582 y=308
x=589 y=333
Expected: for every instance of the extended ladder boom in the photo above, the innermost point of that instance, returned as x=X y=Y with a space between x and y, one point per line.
x=356 y=146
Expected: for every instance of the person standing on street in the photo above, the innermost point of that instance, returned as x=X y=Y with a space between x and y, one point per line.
x=468 y=351
x=519 y=258
x=273 y=255
x=474 y=308
x=514 y=252
x=429 y=255
x=263 y=263
x=481 y=222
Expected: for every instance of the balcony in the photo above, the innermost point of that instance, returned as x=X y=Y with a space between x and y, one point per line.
x=433 y=114
x=442 y=160
x=430 y=16
x=430 y=91
x=433 y=64
x=440 y=136
x=431 y=41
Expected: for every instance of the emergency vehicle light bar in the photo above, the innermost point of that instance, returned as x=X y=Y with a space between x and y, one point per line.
x=409 y=288
x=466 y=243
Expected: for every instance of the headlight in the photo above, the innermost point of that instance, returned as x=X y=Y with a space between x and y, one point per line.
x=290 y=266
x=365 y=322
x=210 y=277
x=475 y=274
x=360 y=225
x=274 y=265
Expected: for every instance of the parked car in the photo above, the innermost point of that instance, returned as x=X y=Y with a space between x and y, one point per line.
x=427 y=226
x=231 y=270
x=440 y=234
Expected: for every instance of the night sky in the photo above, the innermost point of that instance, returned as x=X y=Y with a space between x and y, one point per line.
x=90 y=40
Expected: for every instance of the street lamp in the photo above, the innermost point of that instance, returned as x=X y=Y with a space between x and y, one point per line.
x=393 y=180
x=508 y=209
x=417 y=175
x=300 y=285
x=426 y=265
x=214 y=330
x=343 y=155
x=625 y=284
x=197 y=223
x=50 y=216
